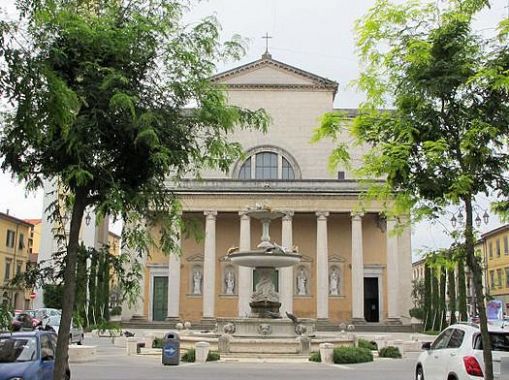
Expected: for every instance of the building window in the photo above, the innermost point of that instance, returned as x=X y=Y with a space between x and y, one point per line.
x=21 y=243
x=498 y=247
x=499 y=278
x=19 y=266
x=268 y=165
x=288 y=173
x=492 y=279
x=490 y=249
x=507 y=277
x=506 y=245
x=9 y=242
x=7 y=274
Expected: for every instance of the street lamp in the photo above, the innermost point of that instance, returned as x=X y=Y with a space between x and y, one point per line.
x=88 y=219
x=460 y=218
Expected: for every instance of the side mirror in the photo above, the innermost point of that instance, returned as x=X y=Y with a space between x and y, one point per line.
x=426 y=346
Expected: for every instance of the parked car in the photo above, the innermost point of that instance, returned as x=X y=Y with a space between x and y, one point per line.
x=28 y=355
x=47 y=312
x=456 y=354
x=75 y=336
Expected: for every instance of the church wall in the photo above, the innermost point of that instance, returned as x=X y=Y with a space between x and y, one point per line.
x=227 y=235
x=304 y=236
x=340 y=245
x=191 y=305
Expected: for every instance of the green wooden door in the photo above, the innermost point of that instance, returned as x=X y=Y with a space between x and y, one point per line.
x=160 y=298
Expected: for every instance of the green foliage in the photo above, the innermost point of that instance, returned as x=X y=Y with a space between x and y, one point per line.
x=213 y=356
x=363 y=343
x=315 y=357
x=112 y=328
x=5 y=318
x=116 y=310
x=158 y=343
x=351 y=355
x=52 y=296
x=428 y=311
x=417 y=312
x=390 y=352
x=189 y=356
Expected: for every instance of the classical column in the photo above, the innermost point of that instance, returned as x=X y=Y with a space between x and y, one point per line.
x=392 y=272
x=286 y=285
x=174 y=283
x=322 y=264
x=245 y=274
x=357 y=269
x=209 y=265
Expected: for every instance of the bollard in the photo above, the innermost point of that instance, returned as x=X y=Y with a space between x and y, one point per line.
x=223 y=343
x=131 y=346
x=202 y=351
x=326 y=353
x=304 y=344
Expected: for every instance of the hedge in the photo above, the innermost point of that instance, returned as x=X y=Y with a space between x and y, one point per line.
x=351 y=355
x=390 y=352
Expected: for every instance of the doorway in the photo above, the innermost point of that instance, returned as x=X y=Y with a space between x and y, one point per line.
x=160 y=298
x=371 y=301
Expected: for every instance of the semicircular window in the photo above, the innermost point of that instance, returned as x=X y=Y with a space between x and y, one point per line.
x=267 y=165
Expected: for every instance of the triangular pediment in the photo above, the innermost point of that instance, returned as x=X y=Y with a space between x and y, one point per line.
x=336 y=259
x=195 y=258
x=267 y=72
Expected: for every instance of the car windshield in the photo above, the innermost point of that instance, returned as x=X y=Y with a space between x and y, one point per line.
x=17 y=349
x=499 y=342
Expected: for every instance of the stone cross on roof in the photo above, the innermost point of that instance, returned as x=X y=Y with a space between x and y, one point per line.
x=266 y=54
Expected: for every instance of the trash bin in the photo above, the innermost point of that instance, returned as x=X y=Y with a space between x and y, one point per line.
x=171 y=349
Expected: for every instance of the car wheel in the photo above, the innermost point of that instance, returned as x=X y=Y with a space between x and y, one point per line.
x=419 y=374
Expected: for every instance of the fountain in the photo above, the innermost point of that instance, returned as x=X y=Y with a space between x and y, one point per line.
x=265 y=318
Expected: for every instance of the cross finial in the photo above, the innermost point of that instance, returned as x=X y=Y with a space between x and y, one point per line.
x=266 y=38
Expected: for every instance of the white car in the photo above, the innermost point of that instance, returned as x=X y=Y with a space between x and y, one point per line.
x=75 y=336
x=456 y=354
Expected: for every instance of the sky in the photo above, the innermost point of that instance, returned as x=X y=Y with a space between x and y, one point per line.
x=314 y=35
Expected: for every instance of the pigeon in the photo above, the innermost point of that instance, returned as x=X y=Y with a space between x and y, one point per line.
x=292 y=317
x=128 y=334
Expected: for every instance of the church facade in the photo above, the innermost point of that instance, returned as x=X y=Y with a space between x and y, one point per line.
x=353 y=268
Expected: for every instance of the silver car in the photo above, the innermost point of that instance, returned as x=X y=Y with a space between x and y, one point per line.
x=75 y=336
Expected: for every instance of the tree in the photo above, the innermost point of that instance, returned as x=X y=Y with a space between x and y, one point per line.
x=428 y=316
x=101 y=94
x=442 y=143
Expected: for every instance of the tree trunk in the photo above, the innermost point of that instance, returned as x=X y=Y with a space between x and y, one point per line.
x=475 y=268
x=81 y=281
x=443 y=304
x=62 y=350
x=91 y=287
x=106 y=287
x=451 y=292
x=428 y=316
x=435 y=303
x=462 y=292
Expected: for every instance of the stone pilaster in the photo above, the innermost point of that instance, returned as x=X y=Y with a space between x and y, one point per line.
x=392 y=273
x=286 y=285
x=357 y=269
x=245 y=274
x=322 y=263
x=209 y=265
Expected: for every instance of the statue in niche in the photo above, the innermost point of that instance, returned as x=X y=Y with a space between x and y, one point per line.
x=230 y=282
x=301 y=282
x=334 y=283
x=197 y=282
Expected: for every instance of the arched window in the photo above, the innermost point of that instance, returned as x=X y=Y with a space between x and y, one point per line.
x=267 y=165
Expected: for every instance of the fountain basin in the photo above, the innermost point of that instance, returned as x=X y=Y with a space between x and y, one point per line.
x=258 y=259
x=266 y=327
